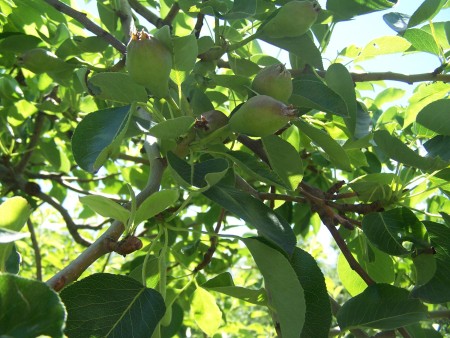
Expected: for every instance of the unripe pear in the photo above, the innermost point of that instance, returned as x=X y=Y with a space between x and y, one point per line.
x=40 y=60
x=261 y=116
x=274 y=81
x=210 y=121
x=149 y=63
x=293 y=19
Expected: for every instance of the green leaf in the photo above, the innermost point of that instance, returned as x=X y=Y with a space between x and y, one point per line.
x=223 y=283
x=381 y=306
x=378 y=265
x=302 y=46
x=98 y=136
x=437 y=290
x=284 y=160
x=425 y=268
x=55 y=155
x=242 y=9
x=205 y=311
x=185 y=51
x=383 y=46
x=199 y=177
x=426 y=11
x=118 y=87
x=155 y=204
x=422 y=41
x=256 y=213
x=374 y=187
x=388 y=230
x=436 y=116
x=283 y=287
x=14 y=214
x=173 y=128
x=111 y=306
x=318 y=310
x=346 y=9
x=315 y=94
x=397 y=150
x=9 y=236
x=335 y=152
x=105 y=207
x=439 y=146
x=340 y=81
x=29 y=308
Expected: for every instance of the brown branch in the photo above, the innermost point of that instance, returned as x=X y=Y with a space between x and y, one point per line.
x=36 y=249
x=146 y=14
x=213 y=244
x=134 y=159
x=35 y=137
x=445 y=314
x=88 y=24
x=102 y=245
x=199 y=24
x=381 y=76
x=404 y=333
x=171 y=15
x=71 y=226
x=280 y=197
x=255 y=146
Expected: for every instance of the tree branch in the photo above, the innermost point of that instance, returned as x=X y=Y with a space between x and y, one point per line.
x=102 y=245
x=35 y=137
x=36 y=249
x=171 y=15
x=146 y=14
x=71 y=226
x=88 y=24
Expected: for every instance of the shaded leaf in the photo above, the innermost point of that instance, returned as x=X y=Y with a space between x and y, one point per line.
x=185 y=52
x=439 y=146
x=29 y=308
x=106 y=305
x=340 y=81
x=436 y=116
x=381 y=306
x=284 y=160
x=98 y=136
x=346 y=9
x=283 y=287
x=318 y=310
x=118 y=87
x=397 y=21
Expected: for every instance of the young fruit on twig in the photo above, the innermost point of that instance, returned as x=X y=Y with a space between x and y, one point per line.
x=275 y=81
x=149 y=63
x=261 y=116
x=293 y=19
x=210 y=121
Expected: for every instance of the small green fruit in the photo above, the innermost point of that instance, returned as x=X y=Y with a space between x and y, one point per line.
x=274 y=81
x=210 y=121
x=40 y=60
x=293 y=19
x=261 y=116
x=149 y=63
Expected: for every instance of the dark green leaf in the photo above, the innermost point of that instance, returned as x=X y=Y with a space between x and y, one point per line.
x=283 y=287
x=397 y=150
x=302 y=46
x=436 y=116
x=98 y=136
x=316 y=95
x=346 y=9
x=381 y=306
x=389 y=230
x=284 y=160
x=397 y=21
x=437 y=290
x=185 y=52
x=318 y=311
x=340 y=81
x=106 y=305
x=29 y=308
x=439 y=146
x=242 y=9
x=336 y=153
x=118 y=87
x=426 y=11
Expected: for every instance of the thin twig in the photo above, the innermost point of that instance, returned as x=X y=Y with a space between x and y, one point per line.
x=213 y=246
x=71 y=226
x=35 y=137
x=88 y=24
x=145 y=13
x=171 y=15
x=36 y=249
x=102 y=245
x=199 y=24
x=404 y=333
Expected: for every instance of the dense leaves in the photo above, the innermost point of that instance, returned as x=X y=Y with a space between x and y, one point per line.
x=132 y=181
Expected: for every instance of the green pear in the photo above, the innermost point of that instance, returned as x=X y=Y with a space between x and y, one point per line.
x=210 y=121
x=261 y=116
x=149 y=63
x=275 y=81
x=293 y=19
